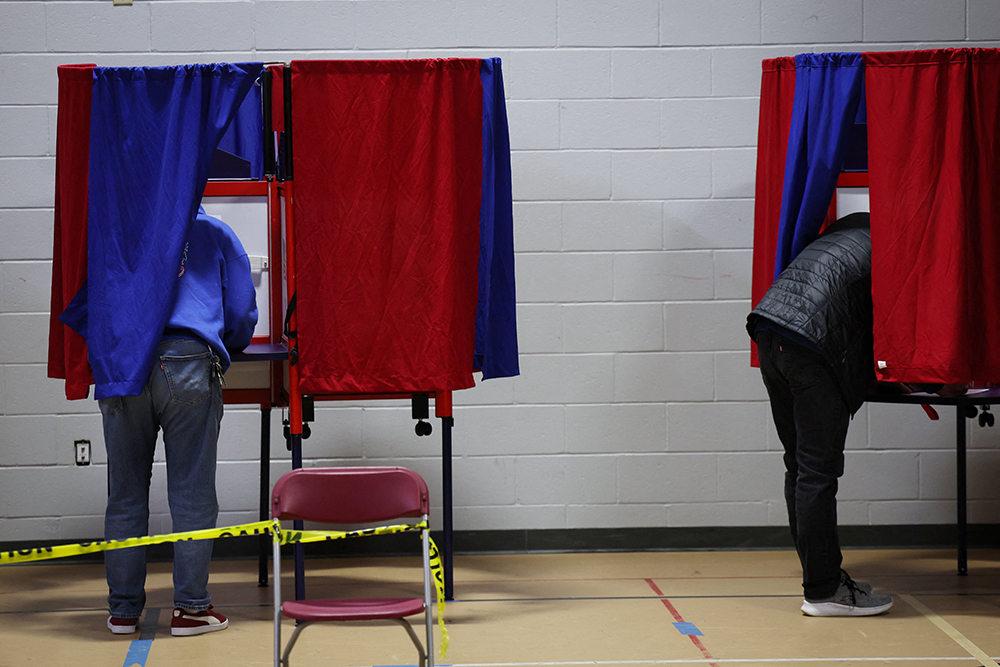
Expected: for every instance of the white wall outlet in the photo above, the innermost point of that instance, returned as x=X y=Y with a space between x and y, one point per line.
x=82 y=448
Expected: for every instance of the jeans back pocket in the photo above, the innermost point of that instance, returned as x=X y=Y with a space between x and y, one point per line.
x=189 y=378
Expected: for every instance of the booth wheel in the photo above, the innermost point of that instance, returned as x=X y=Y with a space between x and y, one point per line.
x=423 y=428
x=986 y=417
x=287 y=431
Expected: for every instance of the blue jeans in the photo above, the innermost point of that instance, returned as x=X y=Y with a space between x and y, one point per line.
x=183 y=396
x=811 y=417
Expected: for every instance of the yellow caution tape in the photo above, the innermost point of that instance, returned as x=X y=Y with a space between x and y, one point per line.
x=244 y=530
x=64 y=550
x=437 y=573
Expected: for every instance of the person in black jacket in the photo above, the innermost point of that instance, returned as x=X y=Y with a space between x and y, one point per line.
x=813 y=330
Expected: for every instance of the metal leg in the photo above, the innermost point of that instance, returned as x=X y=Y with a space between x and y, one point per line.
x=265 y=489
x=960 y=445
x=300 y=566
x=446 y=426
x=295 y=439
x=277 y=600
x=300 y=626
x=413 y=637
x=429 y=598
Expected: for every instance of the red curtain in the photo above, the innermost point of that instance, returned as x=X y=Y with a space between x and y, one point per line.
x=777 y=92
x=67 y=349
x=388 y=172
x=277 y=97
x=934 y=174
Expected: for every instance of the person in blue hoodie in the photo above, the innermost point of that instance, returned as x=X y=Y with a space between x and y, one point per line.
x=215 y=311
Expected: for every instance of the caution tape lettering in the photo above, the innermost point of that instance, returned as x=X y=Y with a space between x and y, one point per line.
x=437 y=574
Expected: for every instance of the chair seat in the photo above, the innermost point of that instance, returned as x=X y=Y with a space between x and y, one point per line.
x=352 y=609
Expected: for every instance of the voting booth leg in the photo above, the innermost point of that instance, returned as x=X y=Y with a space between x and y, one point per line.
x=446 y=425
x=960 y=444
x=265 y=489
x=295 y=440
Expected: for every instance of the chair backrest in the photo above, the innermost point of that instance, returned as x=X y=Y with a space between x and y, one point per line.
x=349 y=495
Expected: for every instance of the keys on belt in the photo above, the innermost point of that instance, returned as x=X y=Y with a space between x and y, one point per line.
x=217 y=370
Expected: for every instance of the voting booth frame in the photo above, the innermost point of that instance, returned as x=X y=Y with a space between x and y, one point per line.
x=278 y=349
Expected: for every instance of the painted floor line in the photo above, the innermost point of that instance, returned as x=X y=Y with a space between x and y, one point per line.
x=951 y=631
x=677 y=617
x=138 y=649
x=622 y=598
x=551 y=580
x=727 y=661
x=138 y=652
x=611 y=598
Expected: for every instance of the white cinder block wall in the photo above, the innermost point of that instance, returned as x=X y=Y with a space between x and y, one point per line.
x=633 y=128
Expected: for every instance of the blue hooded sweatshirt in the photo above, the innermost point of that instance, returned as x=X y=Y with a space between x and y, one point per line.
x=216 y=301
x=215 y=297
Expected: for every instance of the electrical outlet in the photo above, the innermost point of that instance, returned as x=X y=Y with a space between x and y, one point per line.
x=82 y=448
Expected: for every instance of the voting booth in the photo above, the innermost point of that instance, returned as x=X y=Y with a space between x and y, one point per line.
x=929 y=122
x=911 y=136
x=372 y=197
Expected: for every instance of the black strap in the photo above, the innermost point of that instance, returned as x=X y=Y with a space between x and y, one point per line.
x=293 y=354
x=288 y=318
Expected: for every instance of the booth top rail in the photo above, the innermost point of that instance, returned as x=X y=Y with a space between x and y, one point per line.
x=975 y=396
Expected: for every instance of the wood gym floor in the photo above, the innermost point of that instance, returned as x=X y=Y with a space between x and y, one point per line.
x=538 y=610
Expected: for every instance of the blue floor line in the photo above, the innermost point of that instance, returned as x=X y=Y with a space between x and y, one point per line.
x=138 y=650
x=688 y=629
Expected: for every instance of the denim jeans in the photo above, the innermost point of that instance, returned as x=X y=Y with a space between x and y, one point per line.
x=183 y=396
x=811 y=417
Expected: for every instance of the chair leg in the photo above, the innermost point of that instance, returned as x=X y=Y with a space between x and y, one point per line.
x=276 y=559
x=413 y=636
x=428 y=614
x=299 y=627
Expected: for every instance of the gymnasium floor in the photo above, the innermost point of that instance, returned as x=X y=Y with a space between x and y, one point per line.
x=549 y=610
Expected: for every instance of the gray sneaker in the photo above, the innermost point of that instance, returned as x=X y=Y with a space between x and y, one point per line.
x=851 y=599
x=862 y=585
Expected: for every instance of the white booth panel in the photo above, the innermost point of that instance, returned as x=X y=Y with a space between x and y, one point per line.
x=852 y=200
x=248 y=218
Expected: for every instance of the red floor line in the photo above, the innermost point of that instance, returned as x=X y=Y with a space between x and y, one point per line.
x=680 y=619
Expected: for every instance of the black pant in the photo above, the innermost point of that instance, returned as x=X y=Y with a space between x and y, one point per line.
x=811 y=417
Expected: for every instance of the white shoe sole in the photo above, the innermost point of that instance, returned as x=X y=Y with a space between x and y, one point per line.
x=836 y=609
x=122 y=629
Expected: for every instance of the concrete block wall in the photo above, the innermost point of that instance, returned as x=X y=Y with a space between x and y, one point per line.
x=633 y=129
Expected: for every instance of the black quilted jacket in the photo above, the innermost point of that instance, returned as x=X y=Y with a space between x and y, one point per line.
x=825 y=296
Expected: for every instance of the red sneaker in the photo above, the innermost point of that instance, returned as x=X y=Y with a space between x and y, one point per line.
x=122 y=626
x=185 y=623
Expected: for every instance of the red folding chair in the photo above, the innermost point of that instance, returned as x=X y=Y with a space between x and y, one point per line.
x=352 y=496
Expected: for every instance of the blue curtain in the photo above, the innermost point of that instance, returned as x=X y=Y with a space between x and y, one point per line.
x=828 y=92
x=245 y=136
x=496 y=330
x=153 y=132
